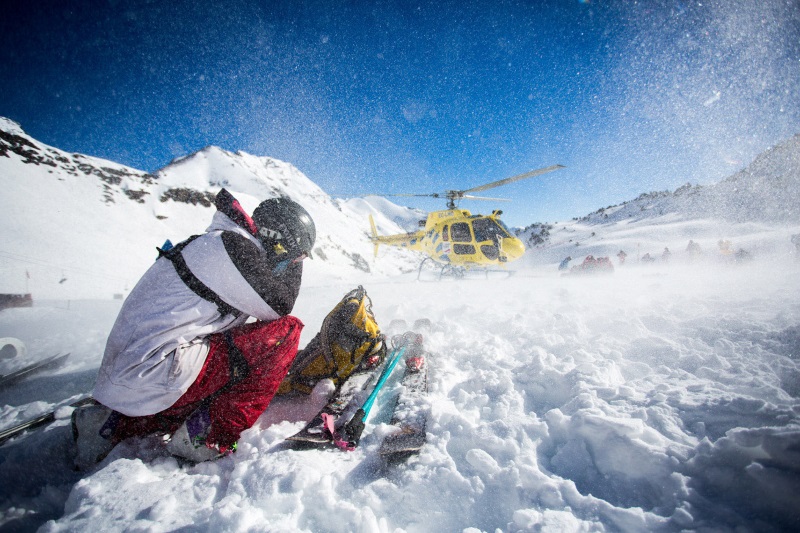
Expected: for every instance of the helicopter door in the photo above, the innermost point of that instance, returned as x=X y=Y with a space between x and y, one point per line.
x=460 y=234
x=488 y=235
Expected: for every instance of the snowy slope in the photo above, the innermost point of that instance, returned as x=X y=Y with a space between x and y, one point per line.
x=664 y=397
x=578 y=239
x=767 y=190
x=657 y=399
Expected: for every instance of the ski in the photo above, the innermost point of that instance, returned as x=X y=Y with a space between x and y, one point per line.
x=39 y=421
x=411 y=410
x=315 y=432
x=409 y=344
x=33 y=368
x=346 y=405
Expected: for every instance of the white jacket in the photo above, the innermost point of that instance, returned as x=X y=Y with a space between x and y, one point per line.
x=159 y=342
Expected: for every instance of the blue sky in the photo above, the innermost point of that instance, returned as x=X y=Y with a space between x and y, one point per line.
x=417 y=97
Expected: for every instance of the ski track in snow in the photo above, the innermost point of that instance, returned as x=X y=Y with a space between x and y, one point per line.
x=658 y=398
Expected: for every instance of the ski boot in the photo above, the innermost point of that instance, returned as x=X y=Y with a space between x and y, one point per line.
x=189 y=440
x=92 y=430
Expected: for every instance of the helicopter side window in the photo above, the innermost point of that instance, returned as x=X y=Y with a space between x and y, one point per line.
x=446 y=233
x=460 y=232
x=463 y=249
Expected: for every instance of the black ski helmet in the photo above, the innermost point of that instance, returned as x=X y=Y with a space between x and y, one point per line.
x=285 y=222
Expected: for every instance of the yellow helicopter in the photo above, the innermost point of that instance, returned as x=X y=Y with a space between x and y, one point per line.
x=459 y=240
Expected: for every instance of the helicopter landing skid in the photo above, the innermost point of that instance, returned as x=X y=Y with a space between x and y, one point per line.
x=458 y=272
x=429 y=270
x=498 y=273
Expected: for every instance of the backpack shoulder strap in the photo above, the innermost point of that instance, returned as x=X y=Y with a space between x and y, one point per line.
x=175 y=256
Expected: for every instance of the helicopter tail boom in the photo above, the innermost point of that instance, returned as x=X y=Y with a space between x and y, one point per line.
x=402 y=239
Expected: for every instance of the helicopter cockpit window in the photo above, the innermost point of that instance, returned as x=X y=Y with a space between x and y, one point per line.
x=445 y=233
x=487 y=229
x=460 y=232
x=504 y=227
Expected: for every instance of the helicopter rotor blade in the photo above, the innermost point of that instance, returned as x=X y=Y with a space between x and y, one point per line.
x=512 y=179
x=454 y=196
x=432 y=195
x=470 y=197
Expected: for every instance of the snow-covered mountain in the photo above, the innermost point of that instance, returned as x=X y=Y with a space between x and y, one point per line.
x=51 y=198
x=767 y=190
x=761 y=199
x=407 y=218
x=664 y=397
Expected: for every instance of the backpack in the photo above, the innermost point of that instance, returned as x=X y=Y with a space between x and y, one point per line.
x=349 y=340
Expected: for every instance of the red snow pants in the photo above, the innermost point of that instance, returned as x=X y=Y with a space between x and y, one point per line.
x=239 y=378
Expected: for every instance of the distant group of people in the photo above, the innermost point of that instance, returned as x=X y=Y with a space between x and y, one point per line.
x=647 y=258
x=693 y=252
x=593 y=264
x=725 y=250
x=590 y=265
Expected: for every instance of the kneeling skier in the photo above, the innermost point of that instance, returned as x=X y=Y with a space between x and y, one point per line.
x=180 y=358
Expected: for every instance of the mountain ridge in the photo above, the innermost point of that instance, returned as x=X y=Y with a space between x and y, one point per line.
x=77 y=217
